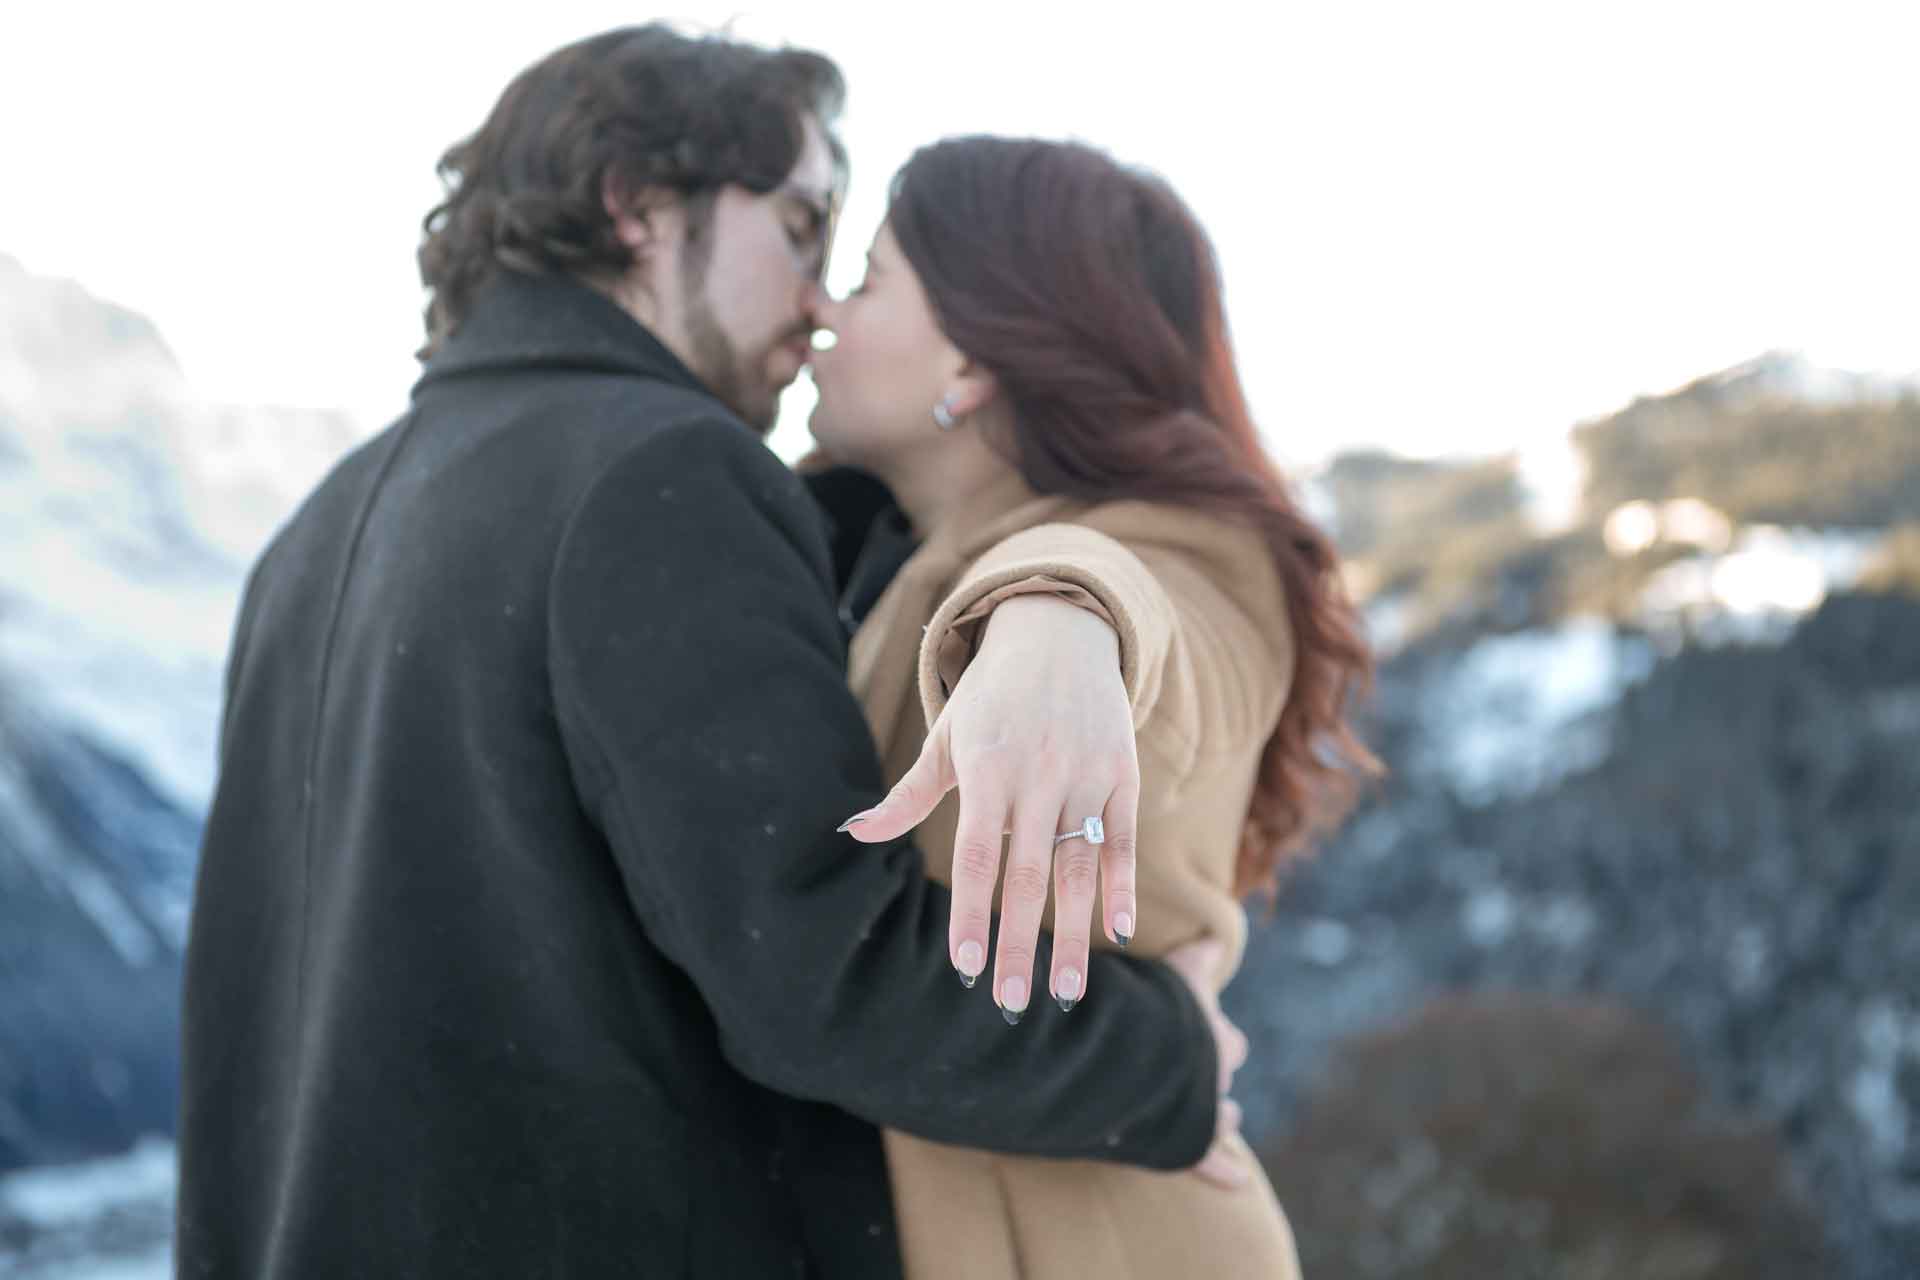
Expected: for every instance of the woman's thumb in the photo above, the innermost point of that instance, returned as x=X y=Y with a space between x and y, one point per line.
x=913 y=798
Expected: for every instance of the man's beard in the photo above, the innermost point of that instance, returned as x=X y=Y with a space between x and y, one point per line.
x=717 y=363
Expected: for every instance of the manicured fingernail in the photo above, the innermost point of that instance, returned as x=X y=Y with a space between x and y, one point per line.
x=854 y=821
x=1123 y=928
x=1013 y=999
x=1066 y=990
x=971 y=960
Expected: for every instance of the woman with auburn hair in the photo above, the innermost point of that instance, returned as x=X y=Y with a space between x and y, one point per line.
x=1037 y=366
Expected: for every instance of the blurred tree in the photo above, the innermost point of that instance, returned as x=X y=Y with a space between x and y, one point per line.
x=1772 y=460
x=1525 y=1137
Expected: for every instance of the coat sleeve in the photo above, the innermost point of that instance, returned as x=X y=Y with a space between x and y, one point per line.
x=698 y=670
x=850 y=500
x=1205 y=646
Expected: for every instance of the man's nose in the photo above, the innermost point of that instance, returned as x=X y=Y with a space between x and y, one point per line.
x=817 y=305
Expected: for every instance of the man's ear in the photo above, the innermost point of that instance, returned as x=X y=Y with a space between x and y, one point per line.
x=635 y=213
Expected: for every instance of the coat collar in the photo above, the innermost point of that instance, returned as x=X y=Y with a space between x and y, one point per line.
x=525 y=321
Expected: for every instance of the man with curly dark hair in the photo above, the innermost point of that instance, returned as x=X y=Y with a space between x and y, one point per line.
x=588 y=152
x=524 y=943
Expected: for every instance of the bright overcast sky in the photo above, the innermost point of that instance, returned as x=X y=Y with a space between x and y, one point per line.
x=1445 y=227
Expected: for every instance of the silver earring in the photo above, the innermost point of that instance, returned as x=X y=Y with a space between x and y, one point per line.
x=943 y=414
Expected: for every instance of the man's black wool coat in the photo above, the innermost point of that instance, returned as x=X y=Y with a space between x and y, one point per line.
x=523 y=943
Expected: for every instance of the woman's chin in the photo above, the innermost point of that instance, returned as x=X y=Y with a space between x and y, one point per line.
x=844 y=441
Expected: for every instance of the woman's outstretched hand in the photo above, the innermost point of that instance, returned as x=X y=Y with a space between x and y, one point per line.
x=1038 y=737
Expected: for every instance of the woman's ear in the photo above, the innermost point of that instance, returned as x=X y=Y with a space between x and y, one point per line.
x=972 y=389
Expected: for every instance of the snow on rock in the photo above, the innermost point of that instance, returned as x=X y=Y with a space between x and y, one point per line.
x=1756 y=591
x=1519 y=712
x=107 y=1219
x=62 y=1195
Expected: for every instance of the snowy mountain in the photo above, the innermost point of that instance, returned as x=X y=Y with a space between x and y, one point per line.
x=95 y=871
x=1788 y=375
x=129 y=510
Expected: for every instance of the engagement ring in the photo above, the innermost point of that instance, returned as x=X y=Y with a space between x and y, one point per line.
x=1093 y=831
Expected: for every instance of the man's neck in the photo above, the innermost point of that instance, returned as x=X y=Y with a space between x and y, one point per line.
x=632 y=296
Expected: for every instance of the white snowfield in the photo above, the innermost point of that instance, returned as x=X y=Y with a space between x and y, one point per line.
x=67 y=1205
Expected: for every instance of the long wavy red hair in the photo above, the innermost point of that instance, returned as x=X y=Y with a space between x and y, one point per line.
x=1093 y=295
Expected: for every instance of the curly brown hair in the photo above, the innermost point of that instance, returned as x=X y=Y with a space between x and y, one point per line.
x=634 y=107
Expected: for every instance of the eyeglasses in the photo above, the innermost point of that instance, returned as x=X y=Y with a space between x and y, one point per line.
x=823 y=220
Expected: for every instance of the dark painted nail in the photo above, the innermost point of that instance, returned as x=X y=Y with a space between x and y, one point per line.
x=1067 y=989
x=1122 y=938
x=1012 y=1016
x=967 y=979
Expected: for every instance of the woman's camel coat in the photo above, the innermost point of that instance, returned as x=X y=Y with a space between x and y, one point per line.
x=1206 y=655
